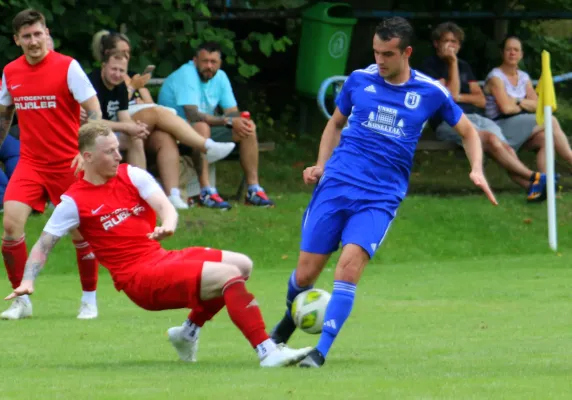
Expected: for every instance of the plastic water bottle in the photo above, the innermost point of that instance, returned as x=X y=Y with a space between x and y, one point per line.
x=246 y=115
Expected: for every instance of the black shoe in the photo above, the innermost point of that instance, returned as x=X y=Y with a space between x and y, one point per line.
x=282 y=332
x=314 y=359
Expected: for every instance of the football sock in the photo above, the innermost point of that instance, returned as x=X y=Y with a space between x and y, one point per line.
x=15 y=255
x=337 y=312
x=87 y=265
x=244 y=312
x=205 y=311
x=293 y=291
x=89 y=297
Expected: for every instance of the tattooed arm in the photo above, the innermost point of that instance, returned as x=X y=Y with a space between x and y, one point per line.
x=194 y=115
x=36 y=261
x=64 y=219
x=92 y=108
x=6 y=115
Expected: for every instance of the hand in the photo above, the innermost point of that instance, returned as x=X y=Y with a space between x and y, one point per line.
x=77 y=163
x=480 y=181
x=243 y=127
x=26 y=287
x=137 y=81
x=82 y=116
x=160 y=233
x=449 y=53
x=312 y=174
x=138 y=129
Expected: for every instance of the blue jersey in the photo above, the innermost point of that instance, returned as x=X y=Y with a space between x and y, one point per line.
x=385 y=121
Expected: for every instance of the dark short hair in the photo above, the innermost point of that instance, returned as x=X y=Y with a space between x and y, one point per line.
x=27 y=17
x=507 y=38
x=396 y=27
x=210 y=47
x=447 y=27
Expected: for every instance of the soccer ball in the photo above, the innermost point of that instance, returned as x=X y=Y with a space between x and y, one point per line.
x=309 y=309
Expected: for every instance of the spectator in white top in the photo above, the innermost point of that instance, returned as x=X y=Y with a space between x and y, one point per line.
x=511 y=103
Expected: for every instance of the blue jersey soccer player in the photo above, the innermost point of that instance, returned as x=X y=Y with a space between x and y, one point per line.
x=363 y=172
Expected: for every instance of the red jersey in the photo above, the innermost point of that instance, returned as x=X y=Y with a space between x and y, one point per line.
x=115 y=220
x=46 y=97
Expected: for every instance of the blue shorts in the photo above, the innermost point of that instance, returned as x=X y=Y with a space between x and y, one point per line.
x=340 y=212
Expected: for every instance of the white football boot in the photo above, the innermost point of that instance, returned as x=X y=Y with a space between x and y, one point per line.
x=186 y=349
x=283 y=356
x=87 y=311
x=19 y=309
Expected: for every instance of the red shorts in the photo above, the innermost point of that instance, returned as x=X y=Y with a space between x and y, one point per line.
x=171 y=282
x=34 y=188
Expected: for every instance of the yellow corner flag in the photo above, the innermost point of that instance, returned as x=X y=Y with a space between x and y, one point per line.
x=545 y=89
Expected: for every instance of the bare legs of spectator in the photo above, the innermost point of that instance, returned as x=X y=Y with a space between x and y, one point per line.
x=203 y=129
x=561 y=144
x=162 y=119
x=506 y=157
x=135 y=148
x=167 y=152
x=248 y=156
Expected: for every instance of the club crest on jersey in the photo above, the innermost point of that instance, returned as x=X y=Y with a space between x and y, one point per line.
x=384 y=121
x=412 y=100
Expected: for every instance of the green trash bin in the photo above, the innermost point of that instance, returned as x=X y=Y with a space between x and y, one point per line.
x=324 y=45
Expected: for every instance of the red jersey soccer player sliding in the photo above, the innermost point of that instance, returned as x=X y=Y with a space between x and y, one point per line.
x=113 y=205
x=46 y=89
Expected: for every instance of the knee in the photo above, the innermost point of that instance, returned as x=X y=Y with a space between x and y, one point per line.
x=307 y=273
x=13 y=225
x=202 y=129
x=227 y=273
x=244 y=264
x=491 y=142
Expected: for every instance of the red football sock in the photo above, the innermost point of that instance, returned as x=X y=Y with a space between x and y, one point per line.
x=244 y=312
x=87 y=265
x=15 y=255
x=206 y=310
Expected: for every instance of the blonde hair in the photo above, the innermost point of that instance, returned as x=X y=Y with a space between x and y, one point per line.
x=105 y=41
x=90 y=131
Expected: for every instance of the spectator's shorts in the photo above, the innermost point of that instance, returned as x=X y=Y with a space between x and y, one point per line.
x=517 y=129
x=446 y=133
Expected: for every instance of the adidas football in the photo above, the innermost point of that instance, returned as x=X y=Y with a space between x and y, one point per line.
x=309 y=308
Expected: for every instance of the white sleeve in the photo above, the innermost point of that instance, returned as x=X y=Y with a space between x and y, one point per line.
x=143 y=181
x=79 y=84
x=5 y=98
x=64 y=218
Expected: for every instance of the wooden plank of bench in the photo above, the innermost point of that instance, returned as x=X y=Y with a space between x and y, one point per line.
x=436 y=145
x=266 y=146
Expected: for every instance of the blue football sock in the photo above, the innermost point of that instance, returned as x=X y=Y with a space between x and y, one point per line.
x=293 y=291
x=337 y=312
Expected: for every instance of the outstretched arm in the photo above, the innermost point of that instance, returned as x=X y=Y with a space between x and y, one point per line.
x=36 y=261
x=474 y=151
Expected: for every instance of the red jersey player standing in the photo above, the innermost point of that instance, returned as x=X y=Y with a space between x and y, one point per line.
x=46 y=89
x=113 y=205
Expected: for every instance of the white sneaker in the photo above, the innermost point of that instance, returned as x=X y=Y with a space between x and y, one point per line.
x=187 y=349
x=219 y=150
x=87 y=311
x=284 y=356
x=178 y=203
x=19 y=309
